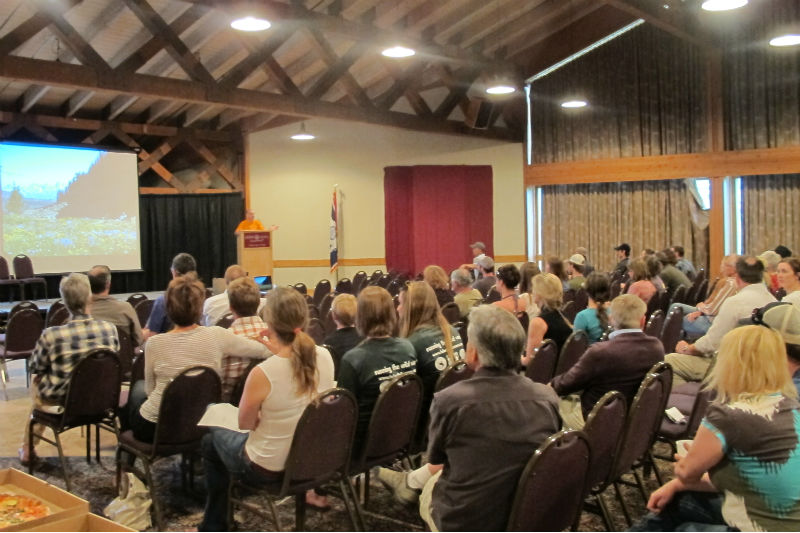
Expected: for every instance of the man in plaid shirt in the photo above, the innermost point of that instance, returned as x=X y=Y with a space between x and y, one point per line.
x=60 y=348
x=244 y=299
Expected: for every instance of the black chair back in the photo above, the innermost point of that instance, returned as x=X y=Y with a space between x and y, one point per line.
x=23 y=330
x=569 y=311
x=568 y=296
x=453 y=374
x=604 y=427
x=322 y=441
x=238 y=387
x=137 y=368
x=673 y=330
x=542 y=368
x=344 y=286
x=644 y=418
x=22 y=306
x=383 y=280
x=23 y=267
x=54 y=308
x=58 y=318
x=5 y=274
x=655 y=303
x=135 y=298
x=143 y=309
x=315 y=330
x=702 y=292
x=655 y=324
x=373 y=278
x=393 y=422
x=451 y=312
x=462 y=330
x=492 y=296
x=573 y=349
x=581 y=300
x=93 y=389
x=182 y=405
x=313 y=312
x=322 y=289
x=325 y=304
x=301 y=288
x=327 y=323
x=616 y=288
x=125 y=354
x=359 y=281
x=394 y=287
x=226 y=321
x=679 y=297
x=550 y=493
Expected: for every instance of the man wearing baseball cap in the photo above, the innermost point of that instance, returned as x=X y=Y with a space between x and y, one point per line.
x=623 y=255
x=576 y=277
x=479 y=252
x=784 y=318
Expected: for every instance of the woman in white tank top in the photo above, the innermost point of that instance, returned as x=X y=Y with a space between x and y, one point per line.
x=275 y=394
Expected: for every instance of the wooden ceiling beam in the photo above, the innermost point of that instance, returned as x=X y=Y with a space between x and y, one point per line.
x=28 y=29
x=76 y=102
x=32 y=95
x=235 y=76
x=49 y=121
x=142 y=85
x=338 y=68
x=402 y=82
x=175 y=47
x=80 y=48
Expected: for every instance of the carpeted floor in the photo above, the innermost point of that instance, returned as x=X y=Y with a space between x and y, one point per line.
x=183 y=509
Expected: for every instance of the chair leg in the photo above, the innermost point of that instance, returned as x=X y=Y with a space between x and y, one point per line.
x=366 y=489
x=97 y=442
x=624 y=505
x=4 y=377
x=604 y=512
x=30 y=446
x=274 y=511
x=151 y=487
x=361 y=526
x=88 y=444
x=62 y=459
x=640 y=484
x=652 y=460
x=300 y=512
x=346 y=496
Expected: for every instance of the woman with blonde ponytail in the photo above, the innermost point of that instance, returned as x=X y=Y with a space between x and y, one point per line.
x=275 y=394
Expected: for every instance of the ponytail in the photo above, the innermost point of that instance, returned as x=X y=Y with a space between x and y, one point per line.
x=304 y=363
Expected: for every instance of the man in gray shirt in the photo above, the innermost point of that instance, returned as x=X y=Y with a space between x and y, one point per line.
x=108 y=308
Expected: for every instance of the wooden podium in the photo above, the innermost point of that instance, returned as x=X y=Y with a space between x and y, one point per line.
x=254 y=252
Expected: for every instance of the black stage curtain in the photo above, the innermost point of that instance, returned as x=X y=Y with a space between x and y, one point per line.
x=200 y=224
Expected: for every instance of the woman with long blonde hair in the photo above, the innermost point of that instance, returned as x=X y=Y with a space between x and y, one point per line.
x=741 y=470
x=275 y=395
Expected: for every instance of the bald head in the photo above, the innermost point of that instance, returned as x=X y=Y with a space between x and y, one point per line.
x=100 y=279
x=234 y=272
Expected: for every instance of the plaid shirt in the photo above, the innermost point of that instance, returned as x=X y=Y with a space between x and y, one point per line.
x=60 y=348
x=233 y=368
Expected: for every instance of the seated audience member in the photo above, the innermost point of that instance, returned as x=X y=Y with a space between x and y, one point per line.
x=587 y=266
x=672 y=277
x=594 y=319
x=60 y=348
x=697 y=320
x=647 y=252
x=789 y=279
x=740 y=471
x=487 y=279
x=465 y=296
x=478 y=252
x=244 y=297
x=106 y=307
x=783 y=251
x=507 y=281
x=345 y=338
x=770 y=260
x=691 y=361
x=186 y=345
x=784 y=318
x=623 y=258
x=550 y=324
x=654 y=271
x=526 y=273
x=159 y=322
x=216 y=307
x=436 y=277
x=436 y=343
x=379 y=358
x=683 y=264
x=575 y=268
x=555 y=266
x=497 y=410
x=275 y=395
x=641 y=286
x=619 y=364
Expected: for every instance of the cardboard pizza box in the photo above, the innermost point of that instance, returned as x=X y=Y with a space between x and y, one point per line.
x=62 y=504
x=86 y=522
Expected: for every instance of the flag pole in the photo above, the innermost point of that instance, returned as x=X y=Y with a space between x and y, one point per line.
x=334 y=234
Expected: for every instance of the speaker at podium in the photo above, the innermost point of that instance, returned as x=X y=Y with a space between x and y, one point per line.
x=254 y=254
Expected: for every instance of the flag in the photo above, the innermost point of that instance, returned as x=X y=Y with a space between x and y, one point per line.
x=334 y=239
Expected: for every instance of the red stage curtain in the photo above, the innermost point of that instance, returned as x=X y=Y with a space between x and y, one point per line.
x=434 y=212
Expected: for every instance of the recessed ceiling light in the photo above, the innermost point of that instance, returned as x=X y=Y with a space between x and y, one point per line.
x=303 y=135
x=250 y=23
x=574 y=104
x=398 y=51
x=723 y=5
x=501 y=88
x=791 y=39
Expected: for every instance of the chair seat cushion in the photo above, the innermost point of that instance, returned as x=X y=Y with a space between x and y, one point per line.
x=127 y=439
x=671 y=430
x=692 y=388
x=48 y=419
x=15 y=355
x=683 y=402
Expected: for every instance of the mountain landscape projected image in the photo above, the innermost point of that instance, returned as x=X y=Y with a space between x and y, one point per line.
x=61 y=202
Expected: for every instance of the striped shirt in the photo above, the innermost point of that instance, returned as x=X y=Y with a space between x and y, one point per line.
x=60 y=348
x=233 y=368
x=724 y=289
x=169 y=354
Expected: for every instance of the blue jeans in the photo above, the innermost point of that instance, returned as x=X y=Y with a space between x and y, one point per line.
x=688 y=511
x=224 y=458
x=696 y=328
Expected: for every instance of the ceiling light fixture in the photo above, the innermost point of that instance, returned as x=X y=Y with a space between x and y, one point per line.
x=250 y=23
x=574 y=104
x=398 y=51
x=723 y=5
x=303 y=135
x=501 y=88
x=790 y=39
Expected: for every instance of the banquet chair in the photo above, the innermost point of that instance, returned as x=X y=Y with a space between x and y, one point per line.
x=23 y=271
x=19 y=341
